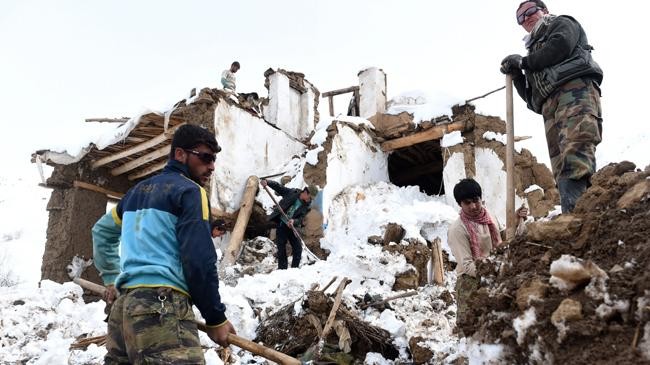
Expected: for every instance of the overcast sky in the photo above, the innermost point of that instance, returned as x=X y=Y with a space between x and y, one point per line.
x=64 y=61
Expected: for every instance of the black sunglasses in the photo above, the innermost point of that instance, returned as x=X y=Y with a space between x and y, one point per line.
x=206 y=157
x=530 y=11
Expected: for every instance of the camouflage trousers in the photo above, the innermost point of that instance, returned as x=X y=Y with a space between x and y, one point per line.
x=466 y=285
x=152 y=326
x=573 y=123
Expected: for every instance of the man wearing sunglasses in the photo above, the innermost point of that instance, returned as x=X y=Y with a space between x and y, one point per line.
x=155 y=248
x=559 y=80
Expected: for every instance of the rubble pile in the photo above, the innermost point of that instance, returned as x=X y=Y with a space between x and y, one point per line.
x=575 y=289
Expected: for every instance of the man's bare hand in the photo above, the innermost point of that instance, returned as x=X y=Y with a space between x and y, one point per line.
x=290 y=223
x=110 y=294
x=263 y=182
x=522 y=212
x=220 y=334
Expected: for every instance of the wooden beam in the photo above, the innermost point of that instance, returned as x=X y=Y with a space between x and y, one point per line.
x=245 y=210
x=98 y=189
x=430 y=134
x=340 y=91
x=331 y=100
x=107 y=120
x=151 y=156
x=148 y=171
x=437 y=263
x=139 y=148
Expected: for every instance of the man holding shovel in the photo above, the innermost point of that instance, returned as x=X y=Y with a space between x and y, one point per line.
x=561 y=81
x=295 y=203
x=155 y=248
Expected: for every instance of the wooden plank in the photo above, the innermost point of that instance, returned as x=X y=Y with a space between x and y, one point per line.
x=152 y=156
x=430 y=134
x=148 y=171
x=437 y=263
x=331 y=100
x=357 y=102
x=138 y=148
x=245 y=210
x=107 y=120
x=340 y=91
x=98 y=189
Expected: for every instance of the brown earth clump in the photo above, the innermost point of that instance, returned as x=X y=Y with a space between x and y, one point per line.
x=601 y=322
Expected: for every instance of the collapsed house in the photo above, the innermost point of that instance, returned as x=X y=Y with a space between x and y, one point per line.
x=283 y=137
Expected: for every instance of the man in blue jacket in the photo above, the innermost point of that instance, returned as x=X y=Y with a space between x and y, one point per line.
x=561 y=81
x=166 y=261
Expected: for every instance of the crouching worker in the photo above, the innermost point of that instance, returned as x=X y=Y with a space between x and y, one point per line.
x=166 y=262
x=472 y=237
x=295 y=203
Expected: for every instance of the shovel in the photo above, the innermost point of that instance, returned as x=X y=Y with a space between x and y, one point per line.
x=310 y=255
x=241 y=342
x=510 y=162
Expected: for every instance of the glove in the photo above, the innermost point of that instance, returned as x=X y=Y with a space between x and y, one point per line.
x=511 y=64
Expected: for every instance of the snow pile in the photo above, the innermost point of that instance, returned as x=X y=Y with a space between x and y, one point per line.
x=422 y=106
x=39 y=324
x=451 y=139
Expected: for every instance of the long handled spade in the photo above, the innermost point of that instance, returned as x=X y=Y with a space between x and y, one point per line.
x=310 y=255
x=241 y=342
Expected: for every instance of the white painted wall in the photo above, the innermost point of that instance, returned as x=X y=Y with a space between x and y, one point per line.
x=492 y=177
x=372 y=92
x=352 y=162
x=249 y=147
x=288 y=109
x=452 y=173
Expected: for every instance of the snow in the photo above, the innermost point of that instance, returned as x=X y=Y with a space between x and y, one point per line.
x=532 y=188
x=494 y=136
x=423 y=106
x=451 y=139
x=522 y=323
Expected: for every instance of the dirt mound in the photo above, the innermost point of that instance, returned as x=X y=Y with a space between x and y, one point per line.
x=604 y=246
x=296 y=334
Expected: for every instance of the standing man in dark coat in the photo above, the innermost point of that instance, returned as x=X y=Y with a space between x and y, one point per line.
x=561 y=81
x=295 y=203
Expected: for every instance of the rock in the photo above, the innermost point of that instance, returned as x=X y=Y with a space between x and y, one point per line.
x=535 y=289
x=420 y=354
x=19 y=302
x=406 y=280
x=567 y=272
x=375 y=240
x=446 y=297
x=394 y=233
x=569 y=310
x=638 y=192
x=562 y=228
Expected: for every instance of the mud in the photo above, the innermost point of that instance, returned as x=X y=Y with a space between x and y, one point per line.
x=616 y=240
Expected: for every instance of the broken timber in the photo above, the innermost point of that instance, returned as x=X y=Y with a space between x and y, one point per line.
x=230 y=256
x=137 y=148
x=436 y=262
x=331 y=94
x=98 y=189
x=432 y=133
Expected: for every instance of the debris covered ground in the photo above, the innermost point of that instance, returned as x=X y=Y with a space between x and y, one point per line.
x=576 y=289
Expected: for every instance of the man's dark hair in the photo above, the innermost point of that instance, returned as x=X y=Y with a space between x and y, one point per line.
x=189 y=136
x=467 y=189
x=219 y=224
x=235 y=64
x=539 y=4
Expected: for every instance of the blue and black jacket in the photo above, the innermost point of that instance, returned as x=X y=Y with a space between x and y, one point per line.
x=163 y=226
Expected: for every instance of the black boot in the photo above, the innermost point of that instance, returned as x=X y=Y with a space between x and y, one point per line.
x=570 y=191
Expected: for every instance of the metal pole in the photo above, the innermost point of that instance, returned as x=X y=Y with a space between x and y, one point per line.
x=510 y=162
